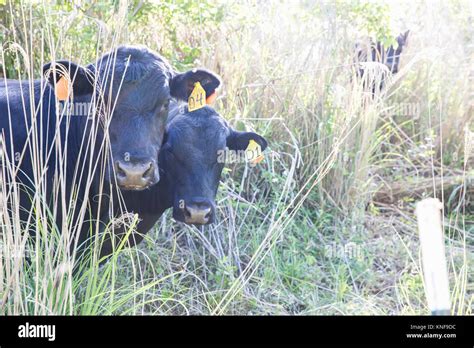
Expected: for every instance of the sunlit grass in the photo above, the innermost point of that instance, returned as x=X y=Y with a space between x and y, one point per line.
x=342 y=168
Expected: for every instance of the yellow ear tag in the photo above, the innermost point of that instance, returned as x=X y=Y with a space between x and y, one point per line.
x=197 y=99
x=62 y=89
x=253 y=152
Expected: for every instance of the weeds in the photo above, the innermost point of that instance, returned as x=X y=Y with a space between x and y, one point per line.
x=325 y=225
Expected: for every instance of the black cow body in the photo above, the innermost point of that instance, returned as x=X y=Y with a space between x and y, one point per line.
x=114 y=140
x=26 y=139
x=189 y=161
x=376 y=52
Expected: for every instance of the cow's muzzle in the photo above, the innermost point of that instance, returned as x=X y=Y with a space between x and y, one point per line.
x=136 y=176
x=198 y=212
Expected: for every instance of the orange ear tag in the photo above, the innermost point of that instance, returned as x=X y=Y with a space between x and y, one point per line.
x=212 y=98
x=62 y=89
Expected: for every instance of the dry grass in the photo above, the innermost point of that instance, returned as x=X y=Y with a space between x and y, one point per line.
x=308 y=231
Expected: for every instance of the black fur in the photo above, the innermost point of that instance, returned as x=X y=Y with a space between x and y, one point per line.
x=189 y=164
x=136 y=115
x=376 y=52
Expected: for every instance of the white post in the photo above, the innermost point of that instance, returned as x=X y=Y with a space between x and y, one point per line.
x=435 y=270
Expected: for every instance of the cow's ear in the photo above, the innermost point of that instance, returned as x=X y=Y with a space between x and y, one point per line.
x=64 y=75
x=182 y=85
x=240 y=140
x=405 y=35
x=403 y=38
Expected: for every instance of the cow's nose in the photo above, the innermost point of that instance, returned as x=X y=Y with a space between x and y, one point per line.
x=132 y=176
x=198 y=212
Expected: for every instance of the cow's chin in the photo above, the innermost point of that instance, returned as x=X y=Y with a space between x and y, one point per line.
x=133 y=188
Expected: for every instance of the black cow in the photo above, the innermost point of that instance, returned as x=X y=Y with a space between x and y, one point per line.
x=193 y=168
x=127 y=92
x=191 y=165
x=376 y=52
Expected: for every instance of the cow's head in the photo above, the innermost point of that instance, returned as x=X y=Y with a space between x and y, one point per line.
x=130 y=88
x=377 y=52
x=392 y=58
x=192 y=161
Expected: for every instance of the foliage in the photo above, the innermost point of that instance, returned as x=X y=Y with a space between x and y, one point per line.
x=285 y=227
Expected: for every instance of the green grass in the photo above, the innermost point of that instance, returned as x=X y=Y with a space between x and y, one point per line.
x=326 y=224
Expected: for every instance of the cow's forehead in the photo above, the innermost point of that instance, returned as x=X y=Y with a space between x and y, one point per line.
x=133 y=67
x=187 y=132
x=147 y=94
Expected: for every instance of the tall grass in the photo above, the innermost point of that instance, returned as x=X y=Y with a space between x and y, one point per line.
x=326 y=224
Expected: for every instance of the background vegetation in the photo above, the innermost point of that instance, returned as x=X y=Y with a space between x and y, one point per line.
x=326 y=224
